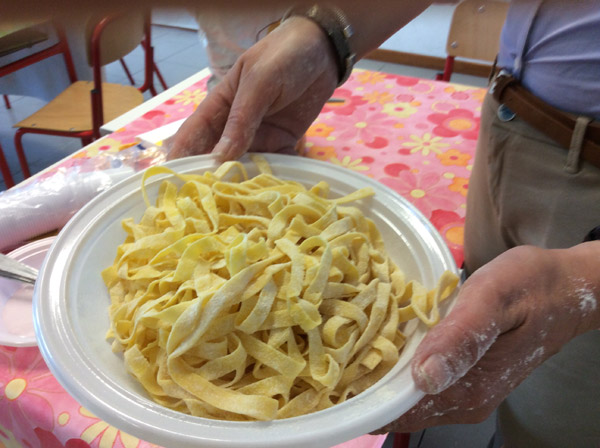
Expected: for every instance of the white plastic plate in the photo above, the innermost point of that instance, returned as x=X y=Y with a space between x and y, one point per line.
x=71 y=317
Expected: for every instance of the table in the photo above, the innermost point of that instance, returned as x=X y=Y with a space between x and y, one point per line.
x=414 y=135
x=48 y=77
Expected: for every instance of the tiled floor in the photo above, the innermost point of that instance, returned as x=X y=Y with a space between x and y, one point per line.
x=179 y=53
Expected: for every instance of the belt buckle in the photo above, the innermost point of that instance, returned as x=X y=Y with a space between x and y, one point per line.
x=504 y=113
x=502 y=73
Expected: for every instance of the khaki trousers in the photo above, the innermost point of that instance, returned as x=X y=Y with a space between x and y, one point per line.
x=522 y=191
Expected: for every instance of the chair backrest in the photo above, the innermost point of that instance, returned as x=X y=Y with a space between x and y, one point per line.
x=475 y=29
x=110 y=39
x=119 y=36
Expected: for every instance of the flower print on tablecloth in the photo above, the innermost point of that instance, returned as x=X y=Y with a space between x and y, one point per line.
x=7 y=439
x=147 y=122
x=351 y=164
x=49 y=440
x=26 y=391
x=456 y=122
x=319 y=129
x=367 y=126
x=454 y=157
x=424 y=144
x=478 y=95
x=101 y=434
x=399 y=110
x=189 y=96
x=345 y=102
x=100 y=155
x=451 y=226
x=382 y=97
x=463 y=93
x=319 y=152
x=425 y=191
x=459 y=185
x=394 y=169
x=459 y=92
x=368 y=77
x=404 y=81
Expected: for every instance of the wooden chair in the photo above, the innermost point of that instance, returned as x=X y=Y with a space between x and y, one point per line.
x=21 y=38
x=474 y=33
x=84 y=106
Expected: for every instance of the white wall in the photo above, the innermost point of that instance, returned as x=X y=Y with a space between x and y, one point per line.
x=424 y=35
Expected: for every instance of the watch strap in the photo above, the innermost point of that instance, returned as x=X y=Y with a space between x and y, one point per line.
x=334 y=23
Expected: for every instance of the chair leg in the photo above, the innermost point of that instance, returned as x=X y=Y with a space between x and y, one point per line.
x=86 y=140
x=21 y=152
x=6 y=101
x=448 y=68
x=401 y=439
x=127 y=72
x=159 y=76
x=8 y=179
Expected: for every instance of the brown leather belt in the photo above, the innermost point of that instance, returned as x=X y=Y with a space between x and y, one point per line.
x=553 y=122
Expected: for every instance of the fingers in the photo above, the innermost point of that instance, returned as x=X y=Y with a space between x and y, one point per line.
x=202 y=130
x=459 y=341
x=252 y=100
x=510 y=317
x=227 y=122
x=267 y=100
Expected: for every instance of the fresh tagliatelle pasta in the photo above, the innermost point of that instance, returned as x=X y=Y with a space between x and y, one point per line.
x=258 y=299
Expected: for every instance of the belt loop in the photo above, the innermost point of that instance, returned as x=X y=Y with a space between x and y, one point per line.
x=572 y=165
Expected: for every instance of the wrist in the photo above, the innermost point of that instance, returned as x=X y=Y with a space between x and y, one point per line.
x=312 y=42
x=335 y=28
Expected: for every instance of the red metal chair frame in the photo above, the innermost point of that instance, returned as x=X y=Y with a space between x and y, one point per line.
x=96 y=94
x=448 y=69
x=149 y=67
x=4 y=168
x=154 y=67
x=61 y=47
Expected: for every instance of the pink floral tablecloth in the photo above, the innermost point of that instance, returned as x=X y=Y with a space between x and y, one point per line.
x=414 y=135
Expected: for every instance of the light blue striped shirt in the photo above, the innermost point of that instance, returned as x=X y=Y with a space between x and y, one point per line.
x=553 y=47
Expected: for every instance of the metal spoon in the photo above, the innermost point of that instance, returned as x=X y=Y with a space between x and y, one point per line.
x=13 y=269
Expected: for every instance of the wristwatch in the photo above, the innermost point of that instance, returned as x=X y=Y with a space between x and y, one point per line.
x=593 y=235
x=334 y=23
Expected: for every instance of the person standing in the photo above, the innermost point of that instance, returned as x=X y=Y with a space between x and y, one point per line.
x=524 y=332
